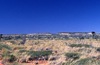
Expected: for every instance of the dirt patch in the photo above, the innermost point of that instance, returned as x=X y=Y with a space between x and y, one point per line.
x=36 y=63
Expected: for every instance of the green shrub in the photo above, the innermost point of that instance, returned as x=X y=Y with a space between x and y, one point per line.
x=87 y=61
x=73 y=55
x=22 y=50
x=39 y=53
x=4 y=46
x=12 y=58
x=80 y=45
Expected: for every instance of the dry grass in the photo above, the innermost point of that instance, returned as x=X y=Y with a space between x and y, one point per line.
x=61 y=46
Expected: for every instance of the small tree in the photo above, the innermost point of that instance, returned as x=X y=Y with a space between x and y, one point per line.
x=1 y=36
x=93 y=34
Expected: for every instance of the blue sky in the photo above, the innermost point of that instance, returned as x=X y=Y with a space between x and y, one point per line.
x=30 y=16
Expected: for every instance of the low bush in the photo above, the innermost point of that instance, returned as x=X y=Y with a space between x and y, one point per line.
x=39 y=53
x=80 y=45
x=85 y=61
x=73 y=55
x=12 y=58
x=22 y=50
x=4 y=46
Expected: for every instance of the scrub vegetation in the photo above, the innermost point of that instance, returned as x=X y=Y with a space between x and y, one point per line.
x=50 y=49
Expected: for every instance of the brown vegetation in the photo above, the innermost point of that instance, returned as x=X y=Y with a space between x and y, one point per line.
x=86 y=48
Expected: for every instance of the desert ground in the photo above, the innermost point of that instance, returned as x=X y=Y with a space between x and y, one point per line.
x=51 y=52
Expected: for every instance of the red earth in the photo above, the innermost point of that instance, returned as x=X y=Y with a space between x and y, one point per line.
x=38 y=62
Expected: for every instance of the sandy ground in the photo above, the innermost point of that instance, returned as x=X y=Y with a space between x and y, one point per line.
x=34 y=63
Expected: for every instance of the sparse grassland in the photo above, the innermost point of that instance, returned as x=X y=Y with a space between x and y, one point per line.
x=66 y=52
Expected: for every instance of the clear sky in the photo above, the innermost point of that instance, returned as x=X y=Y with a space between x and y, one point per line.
x=30 y=16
